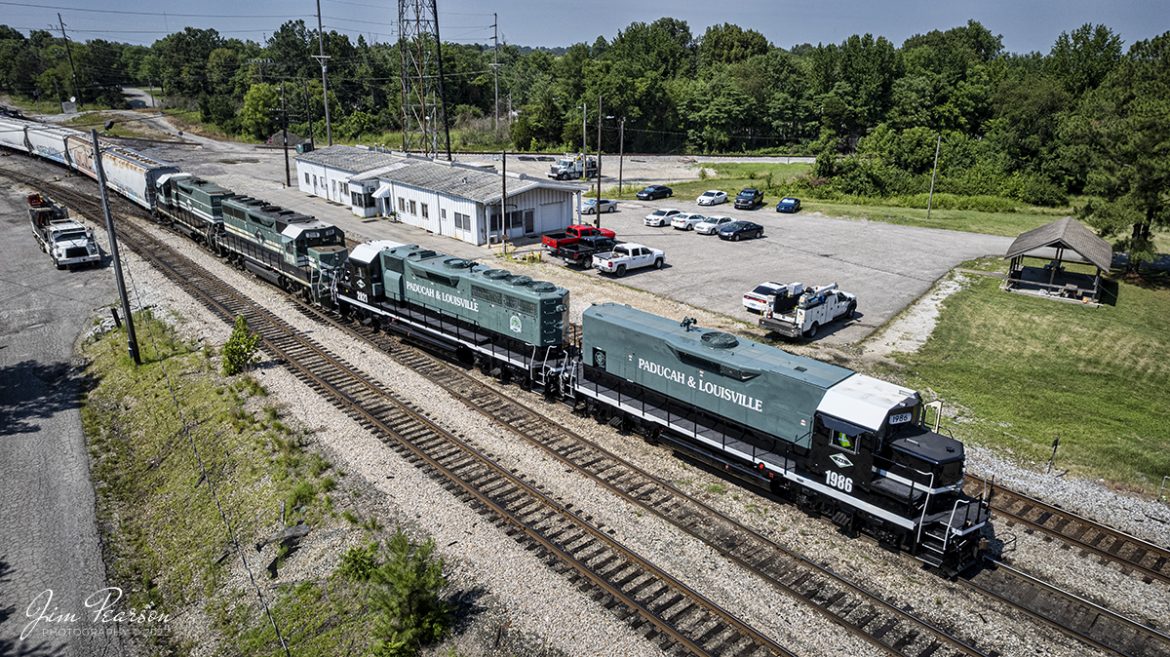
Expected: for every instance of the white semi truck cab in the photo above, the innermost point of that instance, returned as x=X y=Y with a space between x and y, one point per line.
x=69 y=243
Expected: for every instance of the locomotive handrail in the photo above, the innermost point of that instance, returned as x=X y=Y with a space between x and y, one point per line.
x=925 y=506
x=951 y=521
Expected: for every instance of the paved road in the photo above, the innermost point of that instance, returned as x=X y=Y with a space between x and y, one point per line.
x=48 y=535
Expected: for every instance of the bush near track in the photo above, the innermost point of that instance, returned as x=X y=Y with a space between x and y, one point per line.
x=1028 y=369
x=166 y=544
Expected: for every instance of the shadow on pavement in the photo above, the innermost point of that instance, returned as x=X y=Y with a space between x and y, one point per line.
x=31 y=390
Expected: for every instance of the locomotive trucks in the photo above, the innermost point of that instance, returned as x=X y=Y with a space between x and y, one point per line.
x=68 y=242
x=834 y=441
x=625 y=257
x=573 y=167
x=812 y=310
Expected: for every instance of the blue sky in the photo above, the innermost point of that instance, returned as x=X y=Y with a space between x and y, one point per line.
x=1026 y=25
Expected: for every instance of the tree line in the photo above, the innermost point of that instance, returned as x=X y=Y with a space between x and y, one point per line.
x=1089 y=119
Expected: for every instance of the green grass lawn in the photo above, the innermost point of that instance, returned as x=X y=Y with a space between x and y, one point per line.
x=122 y=128
x=1026 y=369
x=729 y=177
x=972 y=221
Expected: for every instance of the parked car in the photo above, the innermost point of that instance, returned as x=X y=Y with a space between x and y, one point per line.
x=763 y=296
x=788 y=204
x=661 y=217
x=711 y=225
x=712 y=197
x=554 y=242
x=625 y=257
x=686 y=221
x=654 y=192
x=749 y=199
x=581 y=254
x=592 y=205
x=740 y=230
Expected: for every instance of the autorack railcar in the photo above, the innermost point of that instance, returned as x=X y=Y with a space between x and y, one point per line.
x=129 y=173
x=839 y=443
x=506 y=324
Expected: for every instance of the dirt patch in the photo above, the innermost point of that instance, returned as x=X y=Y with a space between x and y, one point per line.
x=910 y=330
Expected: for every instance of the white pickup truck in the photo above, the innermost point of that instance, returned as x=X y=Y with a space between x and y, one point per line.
x=625 y=257
x=812 y=310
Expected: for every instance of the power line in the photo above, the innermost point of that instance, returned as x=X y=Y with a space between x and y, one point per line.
x=125 y=12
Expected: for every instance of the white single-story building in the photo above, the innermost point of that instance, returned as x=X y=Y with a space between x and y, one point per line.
x=445 y=198
x=326 y=172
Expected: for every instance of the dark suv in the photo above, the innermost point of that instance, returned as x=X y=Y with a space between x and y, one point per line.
x=749 y=199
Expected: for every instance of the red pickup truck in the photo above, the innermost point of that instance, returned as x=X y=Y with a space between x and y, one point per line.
x=573 y=234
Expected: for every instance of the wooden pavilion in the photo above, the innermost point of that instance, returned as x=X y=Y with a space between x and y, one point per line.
x=1057 y=243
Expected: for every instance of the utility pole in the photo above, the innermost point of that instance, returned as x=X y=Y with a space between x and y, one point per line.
x=308 y=112
x=101 y=174
x=621 y=150
x=496 y=72
x=599 y=117
x=933 y=175
x=284 y=134
x=584 y=145
x=504 y=199
x=69 y=53
x=324 y=78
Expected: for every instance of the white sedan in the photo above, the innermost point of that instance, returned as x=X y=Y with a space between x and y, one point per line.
x=712 y=197
x=661 y=217
x=686 y=221
x=710 y=225
x=592 y=205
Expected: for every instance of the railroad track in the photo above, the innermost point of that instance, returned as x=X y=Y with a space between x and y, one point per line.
x=646 y=597
x=831 y=594
x=1133 y=555
x=1095 y=625
x=850 y=608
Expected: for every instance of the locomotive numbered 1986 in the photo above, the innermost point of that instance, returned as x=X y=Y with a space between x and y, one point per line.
x=833 y=441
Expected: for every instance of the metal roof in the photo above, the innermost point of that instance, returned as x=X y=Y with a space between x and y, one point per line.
x=746 y=354
x=1066 y=233
x=347 y=158
x=453 y=179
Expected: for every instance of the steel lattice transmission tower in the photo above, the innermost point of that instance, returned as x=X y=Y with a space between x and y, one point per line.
x=424 y=111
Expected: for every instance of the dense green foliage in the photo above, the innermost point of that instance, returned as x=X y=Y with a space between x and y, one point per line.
x=1087 y=118
x=240 y=349
x=404 y=582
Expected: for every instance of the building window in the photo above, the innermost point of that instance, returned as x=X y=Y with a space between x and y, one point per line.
x=413 y=207
x=402 y=205
x=425 y=212
x=442 y=213
x=462 y=221
x=306 y=177
x=314 y=181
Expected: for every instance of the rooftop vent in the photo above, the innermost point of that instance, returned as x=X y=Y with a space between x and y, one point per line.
x=457 y=263
x=542 y=286
x=719 y=340
x=520 y=280
x=497 y=274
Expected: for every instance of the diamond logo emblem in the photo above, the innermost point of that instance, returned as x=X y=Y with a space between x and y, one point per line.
x=841 y=460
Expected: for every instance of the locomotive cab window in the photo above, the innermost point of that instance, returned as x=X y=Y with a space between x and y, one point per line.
x=842 y=435
x=844 y=441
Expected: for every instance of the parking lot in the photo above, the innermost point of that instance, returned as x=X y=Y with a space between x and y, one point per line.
x=886 y=266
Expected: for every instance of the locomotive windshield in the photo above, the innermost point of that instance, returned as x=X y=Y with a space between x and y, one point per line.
x=326 y=237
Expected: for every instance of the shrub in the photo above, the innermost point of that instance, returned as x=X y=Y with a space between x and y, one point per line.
x=240 y=350
x=404 y=594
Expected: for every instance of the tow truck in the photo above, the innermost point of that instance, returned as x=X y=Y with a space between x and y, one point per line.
x=812 y=310
x=69 y=243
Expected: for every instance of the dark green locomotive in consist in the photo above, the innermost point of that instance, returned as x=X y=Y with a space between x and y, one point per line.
x=285 y=247
x=194 y=206
x=840 y=443
x=507 y=324
x=292 y=250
